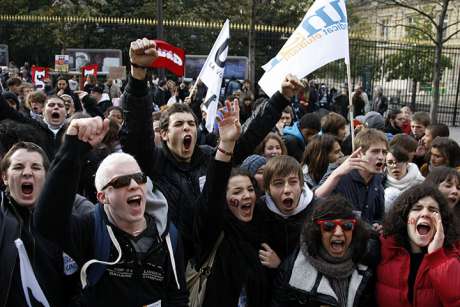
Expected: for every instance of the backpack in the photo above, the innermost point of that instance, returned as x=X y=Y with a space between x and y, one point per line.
x=196 y=280
x=102 y=245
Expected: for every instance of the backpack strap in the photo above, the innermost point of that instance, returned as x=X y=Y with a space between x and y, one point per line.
x=101 y=247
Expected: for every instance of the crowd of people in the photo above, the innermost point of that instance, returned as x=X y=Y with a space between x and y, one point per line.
x=121 y=197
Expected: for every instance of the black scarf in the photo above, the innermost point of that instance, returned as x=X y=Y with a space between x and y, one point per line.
x=239 y=258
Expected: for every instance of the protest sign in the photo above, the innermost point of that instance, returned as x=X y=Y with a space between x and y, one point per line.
x=39 y=74
x=61 y=63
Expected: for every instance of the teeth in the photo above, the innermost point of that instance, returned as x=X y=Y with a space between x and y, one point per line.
x=137 y=197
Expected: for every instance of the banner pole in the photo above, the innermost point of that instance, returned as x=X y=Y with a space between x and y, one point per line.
x=350 y=105
x=193 y=88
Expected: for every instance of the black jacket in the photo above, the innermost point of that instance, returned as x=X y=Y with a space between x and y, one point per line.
x=300 y=284
x=236 y=264
x=283 y=233
x=45 y=257
x=51 y=141
x=179 y=181
x=133 y=281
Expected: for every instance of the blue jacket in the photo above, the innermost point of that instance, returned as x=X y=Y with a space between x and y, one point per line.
x=368 y=199
x=294 y=141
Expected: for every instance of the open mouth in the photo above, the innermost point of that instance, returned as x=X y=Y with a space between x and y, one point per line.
x=337 y=245
x=246 y=208
x=134 y=201
x=187 y=142
x=423 y=228
x=27 y=188
x=379 y=164
x=288 y=202
x=55 y=115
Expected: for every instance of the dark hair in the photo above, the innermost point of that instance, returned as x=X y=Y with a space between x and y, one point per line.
x=405 y=141
x=317 y=155
x=13 y=81
x=237 y=171
x=260 y=149
x=400 y=154
x=438 y=130
x=281 y=166
x=422 y=118
x=395 y=223
x=449 y=149
x=289 y=110
x=392 y=116
x=107 y=112
x=442 y=173
x=12 y=132
x=331 y=208
x=29 y=147
x=311 y=121
x=332 y=123
x=175 y=108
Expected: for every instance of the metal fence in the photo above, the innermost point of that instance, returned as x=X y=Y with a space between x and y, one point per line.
x=394 y=66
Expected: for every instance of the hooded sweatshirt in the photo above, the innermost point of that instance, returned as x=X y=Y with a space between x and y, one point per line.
x=394 y=187
x=283 y=230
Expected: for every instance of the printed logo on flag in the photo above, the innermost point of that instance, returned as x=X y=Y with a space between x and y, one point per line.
x=170 y=57
x=321 y=37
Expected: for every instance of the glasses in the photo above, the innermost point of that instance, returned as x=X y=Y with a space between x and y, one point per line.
x=330 y=225
x=393 y=163
x=124 y=181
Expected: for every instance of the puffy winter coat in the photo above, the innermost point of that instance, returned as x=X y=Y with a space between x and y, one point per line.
x=437 y=282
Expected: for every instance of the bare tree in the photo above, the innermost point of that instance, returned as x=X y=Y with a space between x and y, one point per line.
x=436 y=17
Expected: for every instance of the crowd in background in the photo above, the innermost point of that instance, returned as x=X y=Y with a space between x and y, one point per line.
x=122 y=197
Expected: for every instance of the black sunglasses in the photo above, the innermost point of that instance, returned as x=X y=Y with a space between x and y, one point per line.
x=124 y=181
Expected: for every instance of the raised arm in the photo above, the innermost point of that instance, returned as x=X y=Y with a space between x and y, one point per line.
x=54 y=208
x=354 y=161
x=212 y=201
x=137 y=107
x=266 y=119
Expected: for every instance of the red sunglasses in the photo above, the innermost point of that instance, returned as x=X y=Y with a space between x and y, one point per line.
x=329 y=225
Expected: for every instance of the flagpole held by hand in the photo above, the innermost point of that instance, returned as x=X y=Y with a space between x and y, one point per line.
x=350 y=104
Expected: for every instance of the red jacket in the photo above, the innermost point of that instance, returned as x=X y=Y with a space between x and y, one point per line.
x=437 y=282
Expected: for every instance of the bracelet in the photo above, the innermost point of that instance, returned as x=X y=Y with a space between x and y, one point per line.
x=227 y=153
x=138 y=66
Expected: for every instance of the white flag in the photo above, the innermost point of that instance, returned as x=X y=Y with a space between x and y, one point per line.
x=30 y=284
x=321 y=37
x=212 y=73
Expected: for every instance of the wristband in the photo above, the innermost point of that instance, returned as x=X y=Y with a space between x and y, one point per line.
x=227 y=153
x=138 y=66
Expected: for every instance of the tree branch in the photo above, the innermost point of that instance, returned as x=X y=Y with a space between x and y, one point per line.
x=450 y=36
x=413 y=8
x=451 y=25
x=421 y=30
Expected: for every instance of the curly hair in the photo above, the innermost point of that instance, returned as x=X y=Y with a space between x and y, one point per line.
x=331 y=208
x=395 y=223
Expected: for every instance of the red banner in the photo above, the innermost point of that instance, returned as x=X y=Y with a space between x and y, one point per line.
x=90 y=69
x=170 y=57
x=39 y=74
